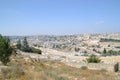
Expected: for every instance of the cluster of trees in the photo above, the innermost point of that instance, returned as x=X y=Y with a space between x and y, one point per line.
x=23 y=46
x=110 y=53
x=5 y=50
x=109 y=40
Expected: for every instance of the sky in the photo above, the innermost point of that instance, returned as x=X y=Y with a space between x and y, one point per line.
x=59 y=17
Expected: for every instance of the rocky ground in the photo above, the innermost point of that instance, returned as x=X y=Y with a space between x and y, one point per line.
x=57 y=65
x=72 y=60
x=22 y=67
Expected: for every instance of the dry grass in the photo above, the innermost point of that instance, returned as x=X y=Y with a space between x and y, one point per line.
x=51 y=70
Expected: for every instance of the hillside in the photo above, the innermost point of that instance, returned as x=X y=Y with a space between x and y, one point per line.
x=24 y=68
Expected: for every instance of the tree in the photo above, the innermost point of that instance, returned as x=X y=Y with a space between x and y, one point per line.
x=77 y=49
x=94 y=50
x=19 y=44
x=25 y=47
x=104 y=51
x=5 y=50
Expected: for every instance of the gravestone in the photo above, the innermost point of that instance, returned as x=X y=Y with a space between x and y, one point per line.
x=116 y=67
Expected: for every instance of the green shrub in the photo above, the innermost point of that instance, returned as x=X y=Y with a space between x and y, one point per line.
x=52 y=75
x=55 y=76
x=62 y=78
x=93 y=59
x=84 y=67
x=110 y=51
x=34 y=50
x=103 y=70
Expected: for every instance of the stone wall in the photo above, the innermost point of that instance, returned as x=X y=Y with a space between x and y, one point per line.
x=96 y=66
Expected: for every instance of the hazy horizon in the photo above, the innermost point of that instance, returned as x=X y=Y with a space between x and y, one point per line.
x=59 y=17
